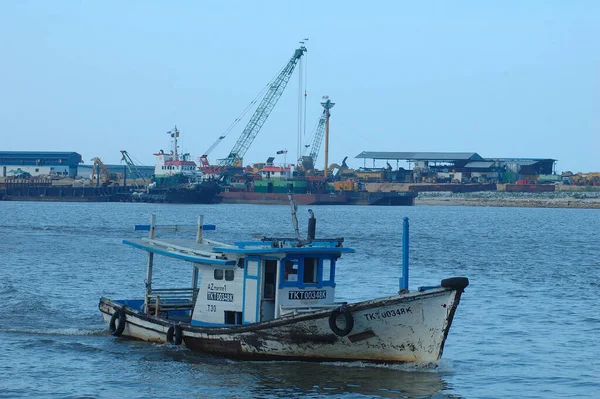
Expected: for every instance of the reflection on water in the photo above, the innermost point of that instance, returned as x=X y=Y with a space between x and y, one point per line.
x=307 y=379
x=339 y=379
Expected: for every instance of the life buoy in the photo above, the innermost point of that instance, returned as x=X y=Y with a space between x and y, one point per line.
x=115 y=328
x=348 y=321
x=175 y=335
x=457 y=283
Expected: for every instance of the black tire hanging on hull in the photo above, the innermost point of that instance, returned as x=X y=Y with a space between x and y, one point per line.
x=117 y=323
x=175 y=335
x=170 y=333
x=178 y=335
x=349 y=321
x=457 y=283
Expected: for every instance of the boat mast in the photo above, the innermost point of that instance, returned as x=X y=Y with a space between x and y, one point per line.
x=404 y=277
x=174 y=134
x=199 y=238
x=150 y=263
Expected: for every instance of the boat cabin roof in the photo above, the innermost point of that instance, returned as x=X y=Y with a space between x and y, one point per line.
x=217 y=253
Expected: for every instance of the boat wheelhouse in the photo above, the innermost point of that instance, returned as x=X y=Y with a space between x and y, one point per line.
x=243 y=283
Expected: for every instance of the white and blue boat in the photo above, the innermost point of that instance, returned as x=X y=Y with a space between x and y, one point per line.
x=274 y=299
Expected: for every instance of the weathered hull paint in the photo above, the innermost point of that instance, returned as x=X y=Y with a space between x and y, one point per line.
x=404 y=328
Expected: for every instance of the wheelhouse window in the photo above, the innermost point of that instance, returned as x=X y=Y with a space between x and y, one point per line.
x=218 y=274
x=232 y=317
x=229 y=275
x=291 y=270
x=326 y=270
x=311 y=265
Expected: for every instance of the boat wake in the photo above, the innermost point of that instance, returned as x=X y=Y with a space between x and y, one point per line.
x=441 y=366
x=56 y=331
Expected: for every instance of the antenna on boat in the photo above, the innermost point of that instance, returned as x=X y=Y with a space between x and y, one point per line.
x=294 y=217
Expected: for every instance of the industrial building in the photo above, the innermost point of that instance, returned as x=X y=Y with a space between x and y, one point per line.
x=35 y=163
x=459 y=167
x=120 y=170
x=59 y=164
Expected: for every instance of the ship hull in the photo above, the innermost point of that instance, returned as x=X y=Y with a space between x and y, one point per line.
x=403 y=328
x=203 y=193
x=390 y=198
x=250 y=197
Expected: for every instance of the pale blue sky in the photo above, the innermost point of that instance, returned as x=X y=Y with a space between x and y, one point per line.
x=500 y=78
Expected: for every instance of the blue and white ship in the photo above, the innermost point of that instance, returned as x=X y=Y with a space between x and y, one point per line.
x=274 y=299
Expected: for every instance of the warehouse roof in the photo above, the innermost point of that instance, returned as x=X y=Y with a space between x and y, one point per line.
x=36 y=154
x=421 y=156
x=480 y=164
x=522 y=161
x=40 y=157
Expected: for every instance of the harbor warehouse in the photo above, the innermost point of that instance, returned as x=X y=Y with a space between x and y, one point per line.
x=35 y=163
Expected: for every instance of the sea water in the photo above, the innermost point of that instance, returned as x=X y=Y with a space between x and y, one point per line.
x=528 y=325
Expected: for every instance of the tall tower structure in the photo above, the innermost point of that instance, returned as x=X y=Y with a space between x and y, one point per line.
x=327 y=104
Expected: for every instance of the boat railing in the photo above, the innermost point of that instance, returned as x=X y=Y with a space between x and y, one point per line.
x=291 y=310
x=166 y=299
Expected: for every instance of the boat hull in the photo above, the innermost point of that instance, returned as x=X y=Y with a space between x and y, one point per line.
x=404 y=328
x=389 y=198
x=252 y=197
x=202 y=193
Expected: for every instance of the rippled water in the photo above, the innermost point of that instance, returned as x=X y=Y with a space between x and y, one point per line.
x=527 y=326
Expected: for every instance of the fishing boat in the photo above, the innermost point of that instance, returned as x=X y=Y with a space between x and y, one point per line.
x=274 y=299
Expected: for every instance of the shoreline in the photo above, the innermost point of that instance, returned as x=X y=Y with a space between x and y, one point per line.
x=510 y=200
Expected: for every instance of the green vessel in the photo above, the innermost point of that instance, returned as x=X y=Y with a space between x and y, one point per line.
x=281 y=186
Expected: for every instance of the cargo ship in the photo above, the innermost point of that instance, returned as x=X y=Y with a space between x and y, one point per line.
x=176 y=179
x=274 y=183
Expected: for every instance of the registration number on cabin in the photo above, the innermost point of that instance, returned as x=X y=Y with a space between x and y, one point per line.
x=219 y=296
x=305 y=295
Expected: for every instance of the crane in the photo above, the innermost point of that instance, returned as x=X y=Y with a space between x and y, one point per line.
x=261 y=114
x=204 y=158
x=132 y=168
x=308 y=162
x=98 y=169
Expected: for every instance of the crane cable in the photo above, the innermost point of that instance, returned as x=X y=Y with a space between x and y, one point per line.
x=245 y=111
x=134 y=159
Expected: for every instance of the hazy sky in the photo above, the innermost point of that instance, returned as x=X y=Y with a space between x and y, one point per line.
x=500 y=78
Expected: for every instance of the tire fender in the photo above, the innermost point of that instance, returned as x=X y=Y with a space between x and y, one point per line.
x=117 y=323
x=456 y=283
x=170 y=334
x=178 y=334
x=349 y=321
x=175 y=334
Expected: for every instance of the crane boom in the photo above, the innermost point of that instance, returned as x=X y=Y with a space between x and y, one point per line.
x=204 y=158
x=262 y=112
x=132 y=167
x=319 y=133
x=100 y=169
